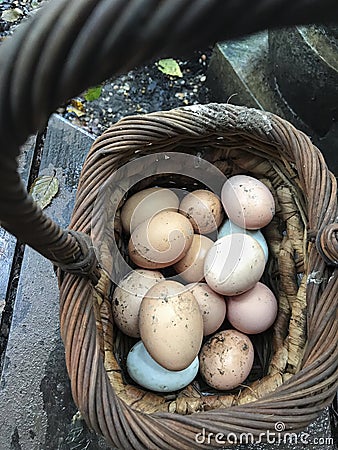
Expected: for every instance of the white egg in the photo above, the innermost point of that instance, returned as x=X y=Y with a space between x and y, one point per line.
x=145 y=371
x=234 y=264
x=229 y=227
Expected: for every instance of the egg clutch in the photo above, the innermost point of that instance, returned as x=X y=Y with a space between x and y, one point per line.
x=178 y=320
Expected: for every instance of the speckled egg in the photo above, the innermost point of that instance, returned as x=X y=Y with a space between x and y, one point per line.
x=171 y=325
x=204 y=210
x=226 y=359
x=247 y=202
x=127 y=298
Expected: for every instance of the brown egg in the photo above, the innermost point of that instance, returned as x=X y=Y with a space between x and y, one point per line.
x=212 y=306
x=226 y=359
x=191 y=266
x=171 y=325
x=145 y=204
x=127 y=298
x=204 y=210
x=247 y=202
x=254 y=311
x=161 y=241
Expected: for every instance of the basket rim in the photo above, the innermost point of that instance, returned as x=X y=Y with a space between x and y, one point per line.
x=183 y=122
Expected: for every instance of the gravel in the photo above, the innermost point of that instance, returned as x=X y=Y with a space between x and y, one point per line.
x=142 y=90
x=13 y=12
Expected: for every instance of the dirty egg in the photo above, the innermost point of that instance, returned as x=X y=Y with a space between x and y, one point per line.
x=171 y=325
x=204 y=210
x=247 y=202
x=226 y=359
x=127 y=298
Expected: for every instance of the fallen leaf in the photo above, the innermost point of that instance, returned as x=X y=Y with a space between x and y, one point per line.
x=76 y=111
x=92 y=93
x=11 y=15
x=170 y=66
x=44 y=189
x=77 y=104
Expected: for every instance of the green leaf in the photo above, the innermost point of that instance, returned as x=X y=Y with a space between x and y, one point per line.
x=92 y=93
x=170 y=67
x=44 y=189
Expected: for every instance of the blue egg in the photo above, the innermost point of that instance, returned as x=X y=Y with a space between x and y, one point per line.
x=148 y=373
x=229 y=227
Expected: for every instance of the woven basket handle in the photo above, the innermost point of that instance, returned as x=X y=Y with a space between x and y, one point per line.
x=68 y=46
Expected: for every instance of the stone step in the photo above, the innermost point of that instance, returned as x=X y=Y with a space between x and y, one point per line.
x=7 y=241
x=36 y=407
x=257 y=71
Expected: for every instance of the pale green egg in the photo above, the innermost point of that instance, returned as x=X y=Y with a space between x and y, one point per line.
x=148 y=373
x=229 y=227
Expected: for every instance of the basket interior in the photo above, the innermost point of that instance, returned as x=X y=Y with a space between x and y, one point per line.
x=278 y=351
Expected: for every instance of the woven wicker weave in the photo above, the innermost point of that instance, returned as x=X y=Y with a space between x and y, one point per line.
x=39 y=69
x=302 y=376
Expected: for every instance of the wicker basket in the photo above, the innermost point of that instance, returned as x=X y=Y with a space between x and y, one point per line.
x=72 y=45
x=302 y=373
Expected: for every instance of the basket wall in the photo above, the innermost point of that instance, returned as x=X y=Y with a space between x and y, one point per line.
x=302 y=375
